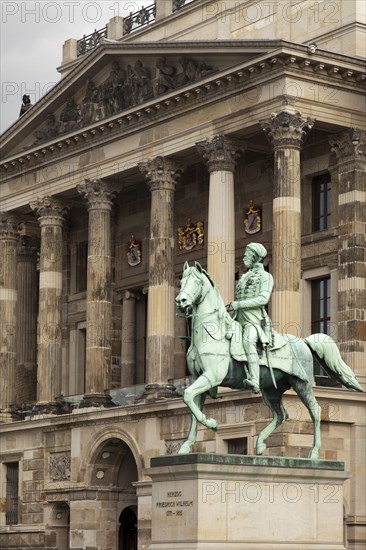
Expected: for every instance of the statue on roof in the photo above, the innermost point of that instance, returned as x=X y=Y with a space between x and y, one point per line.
x=25 y=105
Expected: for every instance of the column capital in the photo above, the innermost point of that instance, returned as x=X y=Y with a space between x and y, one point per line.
x=161 y=173
x=125 y=295
x=287 y=128
x=9 y=225
x=220 y=152
x=51 y=211
x=349 y=145
x=98 y=193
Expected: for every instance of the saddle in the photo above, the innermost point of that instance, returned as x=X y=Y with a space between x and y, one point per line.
x=281 y=352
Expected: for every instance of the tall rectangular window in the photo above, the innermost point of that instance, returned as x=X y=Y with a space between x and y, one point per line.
x=320 y=313
x=12 y=493
x=320 y=306
x=322 y=188
x=82 y=262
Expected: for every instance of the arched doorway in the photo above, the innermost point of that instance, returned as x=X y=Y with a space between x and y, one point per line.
x=127 y=537
x=114 y=472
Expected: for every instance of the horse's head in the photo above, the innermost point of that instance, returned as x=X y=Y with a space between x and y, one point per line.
x=192 y=285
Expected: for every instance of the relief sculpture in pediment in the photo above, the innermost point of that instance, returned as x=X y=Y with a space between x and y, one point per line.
x=124 y=87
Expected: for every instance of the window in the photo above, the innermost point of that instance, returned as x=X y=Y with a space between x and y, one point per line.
x=82 y=262
x=322 y=187
x=237 y=446
x=12 y=493
x=320 y=305
x=320 y=313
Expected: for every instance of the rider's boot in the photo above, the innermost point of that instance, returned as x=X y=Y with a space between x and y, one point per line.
x=253 y=380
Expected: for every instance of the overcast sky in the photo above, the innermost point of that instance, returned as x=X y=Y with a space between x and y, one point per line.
x=32 y=35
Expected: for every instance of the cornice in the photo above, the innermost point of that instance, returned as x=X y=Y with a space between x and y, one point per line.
x=294 y=59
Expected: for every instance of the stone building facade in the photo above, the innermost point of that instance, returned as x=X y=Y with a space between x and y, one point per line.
x=147 y=154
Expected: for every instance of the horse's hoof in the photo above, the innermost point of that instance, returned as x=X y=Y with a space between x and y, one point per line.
x=185 y=449
x=211 y=423
x=314 y=454
x=260 y=448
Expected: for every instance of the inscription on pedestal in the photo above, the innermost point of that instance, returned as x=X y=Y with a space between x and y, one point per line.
x=176 y=504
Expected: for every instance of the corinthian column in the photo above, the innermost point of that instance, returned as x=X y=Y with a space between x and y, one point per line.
x=8 y=299
x=162 y=175
x=99 y=195
x=286 y=131
x=27 y=311
x=349 y=150
x=51 y=213
x=220 y=154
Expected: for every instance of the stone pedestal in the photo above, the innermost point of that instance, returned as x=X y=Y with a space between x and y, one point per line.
x=210 y=501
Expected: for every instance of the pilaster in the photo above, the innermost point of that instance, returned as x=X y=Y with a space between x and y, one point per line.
x=220 y=154
x=51 y=212
x=8 y=300
x=162 y=175
x=286 y=132
x=99 y=196
x=349 y=166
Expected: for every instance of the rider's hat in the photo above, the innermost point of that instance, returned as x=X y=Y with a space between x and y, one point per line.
x=258 y=249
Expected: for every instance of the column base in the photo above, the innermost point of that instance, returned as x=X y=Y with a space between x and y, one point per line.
x=158 y=392
x=97 y=400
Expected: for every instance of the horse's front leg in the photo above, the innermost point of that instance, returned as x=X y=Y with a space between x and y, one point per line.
x=199 y=386
x=192 y=436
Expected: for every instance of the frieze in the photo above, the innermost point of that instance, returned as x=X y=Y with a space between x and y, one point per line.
x=60 y=466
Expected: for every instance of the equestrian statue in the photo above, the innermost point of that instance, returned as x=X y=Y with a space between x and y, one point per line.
x=235 y=346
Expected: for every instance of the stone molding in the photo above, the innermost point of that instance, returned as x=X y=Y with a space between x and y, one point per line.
x=220 y=153
x=51 y=211
x=287 y=128
x=98 y=193
x=9 y=225
x=349 y=145
x=161 y=173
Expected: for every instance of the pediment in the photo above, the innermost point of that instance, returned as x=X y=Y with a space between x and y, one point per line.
x=117 y=77
x=121 y=86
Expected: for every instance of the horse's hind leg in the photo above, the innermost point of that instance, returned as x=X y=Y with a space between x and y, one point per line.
x=273 y=400
x=192 y=435
x=305 y=391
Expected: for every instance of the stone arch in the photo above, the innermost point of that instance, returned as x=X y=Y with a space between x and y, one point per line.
x=111 y=467
x=95 y=449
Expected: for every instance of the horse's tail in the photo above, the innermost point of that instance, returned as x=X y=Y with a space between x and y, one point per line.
x=327 y=353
